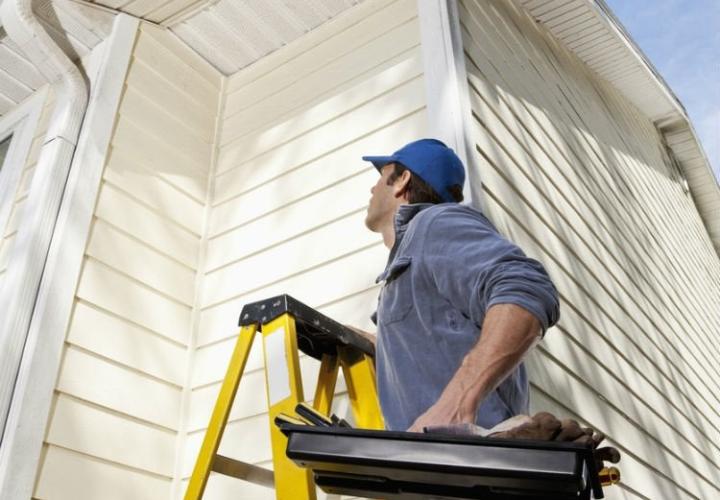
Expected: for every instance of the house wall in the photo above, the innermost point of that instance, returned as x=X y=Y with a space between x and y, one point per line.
x=201 y=211
x=113 y=428
x=572 y=172
x=289 y=199
x=11 y=229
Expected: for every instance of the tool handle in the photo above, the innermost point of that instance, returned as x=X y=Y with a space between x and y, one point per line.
x=313 y=416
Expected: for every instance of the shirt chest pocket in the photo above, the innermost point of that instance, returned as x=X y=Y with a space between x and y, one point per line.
x=397 y=297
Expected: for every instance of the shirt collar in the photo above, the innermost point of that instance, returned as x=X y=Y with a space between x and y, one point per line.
x=403 y=217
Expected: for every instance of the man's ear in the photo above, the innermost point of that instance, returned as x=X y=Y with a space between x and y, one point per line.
x=401 y=184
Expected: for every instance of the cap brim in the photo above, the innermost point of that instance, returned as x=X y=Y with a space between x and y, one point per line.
x=379 y=161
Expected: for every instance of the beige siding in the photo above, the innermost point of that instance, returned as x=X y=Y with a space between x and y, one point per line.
x=192 y=221
x=578 y=177
x=10 y=233
x=289 y=201
x=114 y=426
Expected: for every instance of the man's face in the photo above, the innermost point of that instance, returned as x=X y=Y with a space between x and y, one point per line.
x=383 y=201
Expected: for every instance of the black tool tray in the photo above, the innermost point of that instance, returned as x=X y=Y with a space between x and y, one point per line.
x=405 y=465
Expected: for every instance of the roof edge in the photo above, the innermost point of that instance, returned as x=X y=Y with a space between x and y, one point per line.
x=663 y=109
x=699 y=179
x=621 y=33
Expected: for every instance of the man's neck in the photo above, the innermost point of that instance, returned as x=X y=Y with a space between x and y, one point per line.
x=388 y=234
x=388 y=228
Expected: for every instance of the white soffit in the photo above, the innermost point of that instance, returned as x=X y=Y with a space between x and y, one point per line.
x=229 y=34
x=77 y=28
x=232 y=34
x=589 y=29
x=155 y=11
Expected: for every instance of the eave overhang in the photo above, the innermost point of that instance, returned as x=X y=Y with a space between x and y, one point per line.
x=589 y=29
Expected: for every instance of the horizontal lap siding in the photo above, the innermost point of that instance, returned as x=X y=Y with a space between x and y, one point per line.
x=118 y=405
x=289 y=201
x=580 y=179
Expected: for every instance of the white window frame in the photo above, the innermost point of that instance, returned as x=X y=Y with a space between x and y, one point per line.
x=22 y=123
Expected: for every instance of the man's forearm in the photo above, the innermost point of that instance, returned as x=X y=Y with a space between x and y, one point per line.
x=508 y=333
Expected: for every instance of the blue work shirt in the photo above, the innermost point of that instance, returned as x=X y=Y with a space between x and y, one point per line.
x=447 y=267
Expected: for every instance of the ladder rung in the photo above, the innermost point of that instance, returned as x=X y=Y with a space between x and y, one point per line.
x=244 y=470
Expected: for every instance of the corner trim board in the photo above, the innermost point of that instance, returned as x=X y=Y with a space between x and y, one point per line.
x=446 y=86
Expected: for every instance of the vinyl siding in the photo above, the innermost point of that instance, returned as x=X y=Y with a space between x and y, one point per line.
x=193 y=220
x=117 y=412
x=577 y=176
x=15 y=219
x=289 y=200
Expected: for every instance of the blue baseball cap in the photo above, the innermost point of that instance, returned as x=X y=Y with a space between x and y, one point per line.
x=429 y=159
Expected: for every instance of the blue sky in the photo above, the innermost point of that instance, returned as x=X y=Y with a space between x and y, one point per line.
x=682 y=40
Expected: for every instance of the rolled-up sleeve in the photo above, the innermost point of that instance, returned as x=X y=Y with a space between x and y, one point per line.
x=474 y=268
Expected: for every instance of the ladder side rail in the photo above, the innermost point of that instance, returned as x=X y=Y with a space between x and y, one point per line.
x=221 y=413
x=284 y=391
x=359 y=371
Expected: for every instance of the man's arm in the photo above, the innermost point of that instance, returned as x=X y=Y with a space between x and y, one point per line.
x=508 y=333
x=494 y=284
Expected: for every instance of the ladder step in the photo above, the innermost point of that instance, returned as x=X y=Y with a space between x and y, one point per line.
x=244 y=470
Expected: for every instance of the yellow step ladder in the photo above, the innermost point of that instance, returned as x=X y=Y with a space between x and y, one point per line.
x=288 y=326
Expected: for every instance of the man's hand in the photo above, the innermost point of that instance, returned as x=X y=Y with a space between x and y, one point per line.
x=546 y=427
x=371 y=337
x=542 y=426
x=443 y=413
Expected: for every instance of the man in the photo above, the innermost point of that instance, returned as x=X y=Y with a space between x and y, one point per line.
x=459 y=309
x=460 y=305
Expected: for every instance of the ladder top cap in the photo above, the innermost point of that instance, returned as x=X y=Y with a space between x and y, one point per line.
x=317 y=333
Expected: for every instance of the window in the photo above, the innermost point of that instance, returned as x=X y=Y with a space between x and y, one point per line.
x=17 y=130
x=4 y=146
